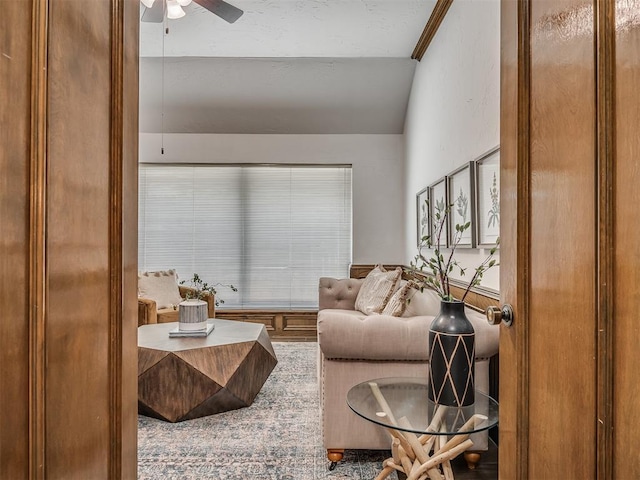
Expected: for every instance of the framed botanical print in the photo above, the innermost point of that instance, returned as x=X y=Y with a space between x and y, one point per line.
x=422 y=214
x=437 y=207
x=461 y=200
x=488 y=198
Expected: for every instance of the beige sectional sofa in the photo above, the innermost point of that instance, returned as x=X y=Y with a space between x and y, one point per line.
x=354 y=348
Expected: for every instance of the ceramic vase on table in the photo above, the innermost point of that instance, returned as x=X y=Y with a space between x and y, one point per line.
x=192 y=315
x=451 y=357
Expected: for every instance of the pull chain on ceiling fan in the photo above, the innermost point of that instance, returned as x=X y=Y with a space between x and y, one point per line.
x=156 y=9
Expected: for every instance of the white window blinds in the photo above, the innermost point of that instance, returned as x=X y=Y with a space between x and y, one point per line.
x=272 y=231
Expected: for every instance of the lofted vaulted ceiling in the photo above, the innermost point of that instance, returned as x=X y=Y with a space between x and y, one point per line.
x=286 y=66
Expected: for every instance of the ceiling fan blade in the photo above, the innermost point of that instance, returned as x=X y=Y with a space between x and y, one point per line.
x=154 y=14
x=225 y=11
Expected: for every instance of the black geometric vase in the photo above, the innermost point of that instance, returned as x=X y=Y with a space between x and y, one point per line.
x=451 y=357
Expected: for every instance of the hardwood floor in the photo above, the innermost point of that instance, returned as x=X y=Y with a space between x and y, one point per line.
x=486 y=470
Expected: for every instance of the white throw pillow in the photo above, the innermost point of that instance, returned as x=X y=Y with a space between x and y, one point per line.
x=420 y=303
x=377 y=288
x=162 y=287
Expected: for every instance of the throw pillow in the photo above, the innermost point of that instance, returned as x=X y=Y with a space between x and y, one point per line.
x=376 y=289
x=420 y=303
x=398 y=302
x=162 y=287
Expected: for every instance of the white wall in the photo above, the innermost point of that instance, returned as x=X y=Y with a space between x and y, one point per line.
x=454 y=109
x=275 y=95
x=377 y=173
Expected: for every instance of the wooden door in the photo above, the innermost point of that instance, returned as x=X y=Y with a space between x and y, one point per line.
x=570 y=260
x=68 y=216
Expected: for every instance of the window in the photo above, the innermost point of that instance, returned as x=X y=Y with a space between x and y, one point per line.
x=272 y=231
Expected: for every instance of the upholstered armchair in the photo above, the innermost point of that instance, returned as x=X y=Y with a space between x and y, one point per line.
x=159 y=295
x=149 y=313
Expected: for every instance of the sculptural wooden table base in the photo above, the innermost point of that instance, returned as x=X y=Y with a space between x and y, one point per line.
x=411 y=454
x=425 y=455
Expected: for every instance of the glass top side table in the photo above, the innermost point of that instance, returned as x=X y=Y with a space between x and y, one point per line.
x=420 y=429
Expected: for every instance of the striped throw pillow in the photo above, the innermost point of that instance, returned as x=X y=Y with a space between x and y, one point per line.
x=377 y=288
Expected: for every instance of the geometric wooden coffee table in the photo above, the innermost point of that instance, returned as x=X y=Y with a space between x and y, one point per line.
x=184 y=378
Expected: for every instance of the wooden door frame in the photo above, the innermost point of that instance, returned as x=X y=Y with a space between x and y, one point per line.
x=515 y=88
x=121 y=60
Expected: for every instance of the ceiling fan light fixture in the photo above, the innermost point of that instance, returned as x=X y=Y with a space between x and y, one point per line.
x=159 y=11
x=174 y=10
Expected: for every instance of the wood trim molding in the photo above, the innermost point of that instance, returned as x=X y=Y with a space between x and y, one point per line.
x=361 y=270
x=37 y=242
x=281 y=325
x=606 y=144
x=523 y=247
x=479 y=298
x=437 y=15
x=301 y=325
x=115 y=240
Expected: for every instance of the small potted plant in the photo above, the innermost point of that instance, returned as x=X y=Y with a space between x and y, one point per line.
x=193 y=311
x=199 y=289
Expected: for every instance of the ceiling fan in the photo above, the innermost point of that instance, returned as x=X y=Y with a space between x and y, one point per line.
x=156 y=9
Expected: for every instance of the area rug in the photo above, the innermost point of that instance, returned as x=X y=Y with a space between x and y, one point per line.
x=277 y=438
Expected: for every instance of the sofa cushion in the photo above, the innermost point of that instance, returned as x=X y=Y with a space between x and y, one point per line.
x=425 y=302
x=348 y=334
x=161 y=287
x=338 y=293
x=377 y=288
x=487 y=335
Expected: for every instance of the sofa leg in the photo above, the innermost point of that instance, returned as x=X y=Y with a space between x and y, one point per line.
x=473 y=459
x=334 y=455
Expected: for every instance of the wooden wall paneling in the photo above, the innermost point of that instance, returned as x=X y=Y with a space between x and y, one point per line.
x=300 y=325
x=15 y=91
x=282 y=325
x=361 y=270
x=626 y=289
x=268 y=319
x=478 y=298
x=562 y=244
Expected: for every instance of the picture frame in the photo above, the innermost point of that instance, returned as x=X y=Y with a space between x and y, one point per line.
x=438 y=197
x=461 y=199
x=487 y=175
x=422 y=214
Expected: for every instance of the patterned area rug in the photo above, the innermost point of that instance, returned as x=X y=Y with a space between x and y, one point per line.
x=276 y=438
